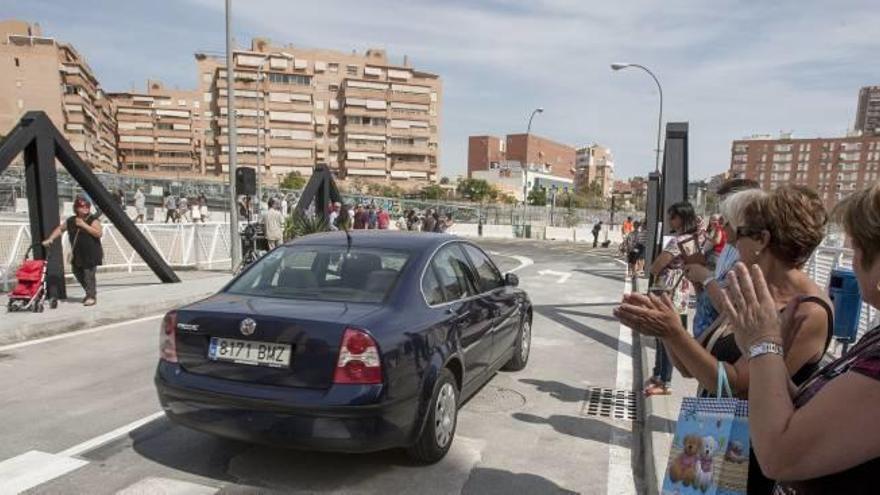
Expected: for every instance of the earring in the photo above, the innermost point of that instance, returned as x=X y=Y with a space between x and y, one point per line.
x=757 y=253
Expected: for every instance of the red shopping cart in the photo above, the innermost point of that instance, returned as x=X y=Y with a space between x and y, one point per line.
x=29 y=293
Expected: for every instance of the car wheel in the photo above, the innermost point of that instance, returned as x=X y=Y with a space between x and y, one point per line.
x=439 y=431
x=522 y=348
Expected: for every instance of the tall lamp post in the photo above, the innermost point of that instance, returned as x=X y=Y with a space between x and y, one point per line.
x=525 y=167
x=234 y=243
x=620 y=66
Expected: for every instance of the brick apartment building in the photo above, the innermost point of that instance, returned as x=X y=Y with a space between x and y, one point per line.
x=541 y=154
x=366 y=117
x=834 y=167
x=868 y=110
x=40 y=73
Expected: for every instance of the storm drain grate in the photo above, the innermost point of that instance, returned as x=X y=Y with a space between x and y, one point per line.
x=610 y=403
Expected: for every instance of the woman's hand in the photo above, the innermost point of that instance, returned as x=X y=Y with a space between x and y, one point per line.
x=751 y=309
x=652 y=315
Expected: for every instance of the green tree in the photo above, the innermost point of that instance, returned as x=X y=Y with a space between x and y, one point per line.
x=475 y=189
x=444 y=180
x=293 y=180
x=538 y=196
x=433 y=191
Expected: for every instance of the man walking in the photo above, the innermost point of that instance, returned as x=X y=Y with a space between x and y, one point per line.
x=429 y=222
x=596 y=229
x=170 y=207
x=274 y=224
x=140 y=205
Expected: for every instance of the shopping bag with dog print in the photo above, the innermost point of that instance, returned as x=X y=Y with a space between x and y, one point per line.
x=702 y=435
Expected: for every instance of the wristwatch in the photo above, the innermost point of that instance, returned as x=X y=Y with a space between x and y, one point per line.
x=708 y=280
x=762 y=348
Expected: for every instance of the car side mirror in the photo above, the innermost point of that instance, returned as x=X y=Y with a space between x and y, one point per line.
x=511 y=279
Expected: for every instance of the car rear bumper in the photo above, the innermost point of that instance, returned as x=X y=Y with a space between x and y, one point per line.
x=322 y=420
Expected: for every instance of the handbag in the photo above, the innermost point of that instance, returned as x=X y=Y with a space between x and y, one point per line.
x=709 y=432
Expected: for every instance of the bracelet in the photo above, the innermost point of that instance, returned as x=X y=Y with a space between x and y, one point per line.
x=766 y=347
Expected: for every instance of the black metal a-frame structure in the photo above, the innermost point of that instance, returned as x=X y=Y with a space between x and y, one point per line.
x=321 y=189
x=42 y=143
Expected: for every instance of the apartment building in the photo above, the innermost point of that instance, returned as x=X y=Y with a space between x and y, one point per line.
x=594 y=164
x=868 y=110
x=40 y=73
x=485 y=153
x=834 y=167
x=538 y=153
x=365 y=117
x=159 y=131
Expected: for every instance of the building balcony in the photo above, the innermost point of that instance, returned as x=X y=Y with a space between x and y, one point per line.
x=424 y=99
x=365 y=93
x=377 y=146
x=380 y=130
x=364 y=112
x=404 y=149
x=366 y=165
x=412 y=166
x=409 y=131
x=397 y=113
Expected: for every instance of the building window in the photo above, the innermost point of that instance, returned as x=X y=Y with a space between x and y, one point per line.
x=296 y=79
x=17 y=62
x=164 y=126
x=333 y=67
x=351 y=70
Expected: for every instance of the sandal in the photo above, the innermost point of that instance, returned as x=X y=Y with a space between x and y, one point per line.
x=652 y=382
x=89 y=302
x=658 y=390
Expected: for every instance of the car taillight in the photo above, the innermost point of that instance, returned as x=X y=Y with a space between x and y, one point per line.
x=358 y=361
x=167 y=344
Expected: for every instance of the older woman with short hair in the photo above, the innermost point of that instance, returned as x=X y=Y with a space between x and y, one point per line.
x=778 y=232
x=822 y=437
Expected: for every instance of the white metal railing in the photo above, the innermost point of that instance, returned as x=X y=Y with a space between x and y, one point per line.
x=192 y=245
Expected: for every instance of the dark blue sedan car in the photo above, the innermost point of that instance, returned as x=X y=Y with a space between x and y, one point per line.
x=349 y=346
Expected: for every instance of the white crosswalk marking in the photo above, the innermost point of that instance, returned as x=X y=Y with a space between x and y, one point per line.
x=34 y=468
x=166 y=486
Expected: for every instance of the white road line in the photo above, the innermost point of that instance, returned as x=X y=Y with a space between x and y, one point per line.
x=77 y=333
x=523 y=262
x=99 y=440
x=620 y=471
x=34 y=468
x=563 y=276
x=166 y=486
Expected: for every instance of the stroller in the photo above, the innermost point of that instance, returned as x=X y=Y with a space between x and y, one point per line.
x=29 y=293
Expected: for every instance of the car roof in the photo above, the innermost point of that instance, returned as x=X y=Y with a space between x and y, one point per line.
x=393 y=239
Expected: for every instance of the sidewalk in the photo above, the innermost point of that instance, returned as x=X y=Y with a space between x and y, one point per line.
x=121 y=296
x=659 y=419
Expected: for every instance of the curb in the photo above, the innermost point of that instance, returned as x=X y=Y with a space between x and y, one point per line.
x=649 y=469
x=78 y=322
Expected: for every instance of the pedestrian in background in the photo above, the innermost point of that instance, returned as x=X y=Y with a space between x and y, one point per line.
x=360 y=218
x=203 y=208
x=344 y=220
x=596 y=229
x=182 y=209
x=429 y=221
x=274 y=224
x=84 y=233
x=383 y=220
x=170 y=207
x=140 y=206
x=333 y=215
x=373 y=221
x=668 y=270
x=627 y=226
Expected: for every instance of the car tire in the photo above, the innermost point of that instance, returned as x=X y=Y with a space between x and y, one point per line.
x=522 y=348
x=439 y=430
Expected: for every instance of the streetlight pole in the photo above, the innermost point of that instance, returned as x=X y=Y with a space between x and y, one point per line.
x=619 y=66
x=235 y=244
x=525 y=168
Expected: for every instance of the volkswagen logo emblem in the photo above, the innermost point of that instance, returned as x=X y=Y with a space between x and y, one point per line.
x=247 y=326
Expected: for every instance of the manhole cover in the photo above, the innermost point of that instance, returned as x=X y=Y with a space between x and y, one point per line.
x=610 y=403
x=496 y=399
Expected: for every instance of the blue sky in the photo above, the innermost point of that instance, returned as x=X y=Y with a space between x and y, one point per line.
x=730 y=68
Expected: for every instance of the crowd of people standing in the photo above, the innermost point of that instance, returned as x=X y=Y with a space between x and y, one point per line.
x=372 y=217
x=767 y=326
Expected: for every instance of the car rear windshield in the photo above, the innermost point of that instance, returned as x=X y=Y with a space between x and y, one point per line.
x=323 y=273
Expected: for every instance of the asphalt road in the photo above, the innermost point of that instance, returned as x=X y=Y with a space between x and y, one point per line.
x=70 y=407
